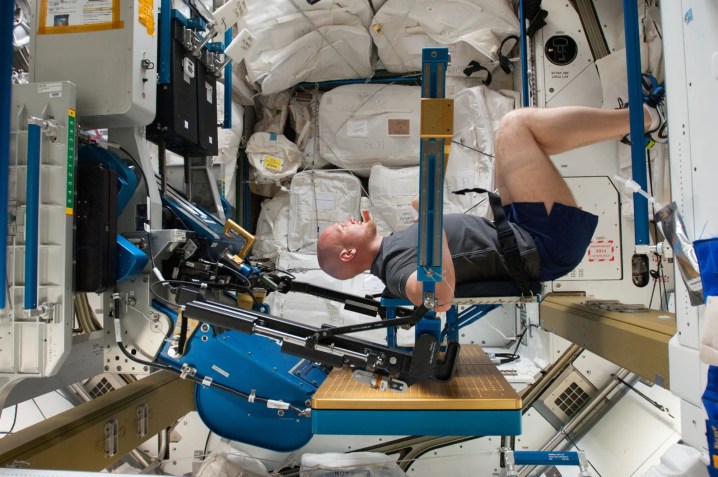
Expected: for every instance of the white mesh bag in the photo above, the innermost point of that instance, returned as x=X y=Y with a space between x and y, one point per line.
x=471 y=29
x=364 y=124
x=273 y=156
x=272 y=227
x=295 y=43
x=318 y=199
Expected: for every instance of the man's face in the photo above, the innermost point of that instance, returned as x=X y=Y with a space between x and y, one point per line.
x=353 y=233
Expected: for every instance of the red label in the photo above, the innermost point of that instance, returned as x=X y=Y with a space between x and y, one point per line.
x=601 y=251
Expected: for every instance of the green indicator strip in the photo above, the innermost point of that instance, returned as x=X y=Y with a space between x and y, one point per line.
x=70 y=202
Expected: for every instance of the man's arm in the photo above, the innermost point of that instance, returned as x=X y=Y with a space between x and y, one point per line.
x=444 y=289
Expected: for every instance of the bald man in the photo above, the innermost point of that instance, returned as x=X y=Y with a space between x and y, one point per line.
x=552 y=233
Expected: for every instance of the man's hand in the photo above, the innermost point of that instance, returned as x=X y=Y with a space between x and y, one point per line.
x=444 y=290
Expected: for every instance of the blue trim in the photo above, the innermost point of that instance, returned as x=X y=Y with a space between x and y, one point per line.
x=165 y=41
x=32 y=215
x=7 y=15
x=227 y=85
x=419 y=423
x=635 y=100
x=546 y=458
x=524 y=56
x=193 y=23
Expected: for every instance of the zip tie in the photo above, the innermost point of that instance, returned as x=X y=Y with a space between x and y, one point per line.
x=251 y=396
x=273 y=404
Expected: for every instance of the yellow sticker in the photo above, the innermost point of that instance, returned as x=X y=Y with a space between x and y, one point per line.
x=715 y=461
x=77 y=16
x=146 y=15
x=273 y=163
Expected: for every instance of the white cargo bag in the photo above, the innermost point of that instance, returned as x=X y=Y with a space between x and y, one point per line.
x=471 y=29
x=390 y=193
x=364 y=124
x=294 y=45
x=303 y=112
x=272 y=227
x=355 y=464
x=477 y=114
x=273 y=156
x=315 y=311
x=318 y=199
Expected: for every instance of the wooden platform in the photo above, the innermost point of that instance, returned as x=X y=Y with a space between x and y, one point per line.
x=477 y=401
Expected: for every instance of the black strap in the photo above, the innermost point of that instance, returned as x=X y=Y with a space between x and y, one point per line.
x=507 y=241
x=504 y=60
x=474 y=67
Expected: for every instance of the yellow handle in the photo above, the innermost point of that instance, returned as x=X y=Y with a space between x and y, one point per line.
x=232 y=230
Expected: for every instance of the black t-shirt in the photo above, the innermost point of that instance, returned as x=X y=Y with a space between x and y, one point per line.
x=474 y=250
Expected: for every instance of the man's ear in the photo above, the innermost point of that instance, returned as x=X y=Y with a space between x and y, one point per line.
x=347 y=254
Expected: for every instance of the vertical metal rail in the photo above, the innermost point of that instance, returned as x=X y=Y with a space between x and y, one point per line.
x=227 y=124
x=635 y=101
x=7 y=15
x=32 y=214
x=165 y=41
x=524 y=56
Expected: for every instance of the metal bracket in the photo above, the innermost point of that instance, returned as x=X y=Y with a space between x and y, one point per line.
x=112 y=438
x=143 y=419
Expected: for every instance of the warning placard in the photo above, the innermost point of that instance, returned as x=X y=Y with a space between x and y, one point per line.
x=602 y=251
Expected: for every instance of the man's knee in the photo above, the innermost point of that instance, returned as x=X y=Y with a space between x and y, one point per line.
x=513 y=124
x=516 y=118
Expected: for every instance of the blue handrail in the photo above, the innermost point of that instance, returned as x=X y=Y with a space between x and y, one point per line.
x=524 y=56
x=227 y=124
x=7 y=14
x=32 y=215
x=635 y=100
x=165 y=41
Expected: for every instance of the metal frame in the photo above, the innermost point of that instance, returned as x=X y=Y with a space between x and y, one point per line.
x=55 y=442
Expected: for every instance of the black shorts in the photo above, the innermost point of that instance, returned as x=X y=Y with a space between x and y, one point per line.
x=562 y=237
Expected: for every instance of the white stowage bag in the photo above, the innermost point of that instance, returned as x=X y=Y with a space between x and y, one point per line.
x=390 y=193
x=273 y=156
x=318 y=199
x=229 y=462
x=315 y=311
x=355 y=464
x=364 y=124
x=296 y=42
x=477 y=114
x=471 y=29
x=272 y=227
x=303 y=112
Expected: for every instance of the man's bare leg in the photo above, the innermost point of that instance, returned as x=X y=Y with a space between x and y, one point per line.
x=526 y=138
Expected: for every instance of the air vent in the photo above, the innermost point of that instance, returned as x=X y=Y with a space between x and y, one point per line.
x=102 y=384
x=572 y=399
x=565 y=398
